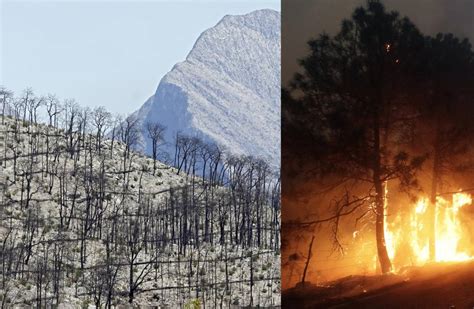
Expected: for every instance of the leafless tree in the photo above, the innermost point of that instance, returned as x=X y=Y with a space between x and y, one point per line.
x=102 y=121
x=5 y=96
x=156 y=133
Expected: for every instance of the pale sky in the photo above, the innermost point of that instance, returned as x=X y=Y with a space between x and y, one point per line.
x=110 y=53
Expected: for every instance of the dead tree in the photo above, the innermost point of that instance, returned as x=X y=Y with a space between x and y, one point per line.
x=129 y=136
x=156 y=133
x=308 y=259
x=116 y=128
x=102 y=121
x=5 y=96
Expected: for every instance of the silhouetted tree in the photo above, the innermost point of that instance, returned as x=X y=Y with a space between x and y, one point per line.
x=353 y=90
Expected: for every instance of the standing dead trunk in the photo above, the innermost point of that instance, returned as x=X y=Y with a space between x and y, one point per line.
x=308 y=258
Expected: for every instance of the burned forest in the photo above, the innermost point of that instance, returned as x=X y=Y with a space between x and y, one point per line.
x=87 y=220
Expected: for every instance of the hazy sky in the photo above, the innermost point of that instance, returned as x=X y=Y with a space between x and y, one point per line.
x=305 y=19
x=110 y=53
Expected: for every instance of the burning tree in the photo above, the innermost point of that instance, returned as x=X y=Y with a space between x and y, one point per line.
x=447 y=74
x=355 y=91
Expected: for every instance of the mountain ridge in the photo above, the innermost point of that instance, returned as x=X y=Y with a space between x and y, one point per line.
x=227 y=90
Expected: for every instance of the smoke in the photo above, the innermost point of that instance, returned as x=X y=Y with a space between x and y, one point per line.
x=305 y=19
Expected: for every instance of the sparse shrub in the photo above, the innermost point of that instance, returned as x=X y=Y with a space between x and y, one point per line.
x=193 y=304
x=266 y=266
x=47 y=228
x=23 y=281
x=85 y=303
x=78 y=272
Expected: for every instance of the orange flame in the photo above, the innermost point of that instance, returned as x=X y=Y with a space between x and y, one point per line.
x=414 y=234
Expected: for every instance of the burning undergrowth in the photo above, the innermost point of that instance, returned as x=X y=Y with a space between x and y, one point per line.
x=347 y=246
x=407 y=235
x=421 y=226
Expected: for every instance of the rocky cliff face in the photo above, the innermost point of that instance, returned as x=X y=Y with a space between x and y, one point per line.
x=227 y=90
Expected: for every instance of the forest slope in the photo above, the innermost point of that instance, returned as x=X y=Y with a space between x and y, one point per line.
x=89 y=222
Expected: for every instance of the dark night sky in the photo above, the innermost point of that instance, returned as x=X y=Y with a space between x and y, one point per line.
x=305 y=19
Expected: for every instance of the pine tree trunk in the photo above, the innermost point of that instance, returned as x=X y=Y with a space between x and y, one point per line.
x=384 y=260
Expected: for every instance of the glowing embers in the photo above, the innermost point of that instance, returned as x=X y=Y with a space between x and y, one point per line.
x=408 y=240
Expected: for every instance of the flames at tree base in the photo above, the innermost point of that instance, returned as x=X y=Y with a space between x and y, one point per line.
x=407 y=235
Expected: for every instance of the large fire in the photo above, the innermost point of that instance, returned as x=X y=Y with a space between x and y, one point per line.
x=407 y=236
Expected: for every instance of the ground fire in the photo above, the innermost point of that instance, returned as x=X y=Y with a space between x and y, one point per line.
x=450 y=245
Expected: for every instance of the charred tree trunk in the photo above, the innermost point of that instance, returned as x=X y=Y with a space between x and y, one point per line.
x=310 y=250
